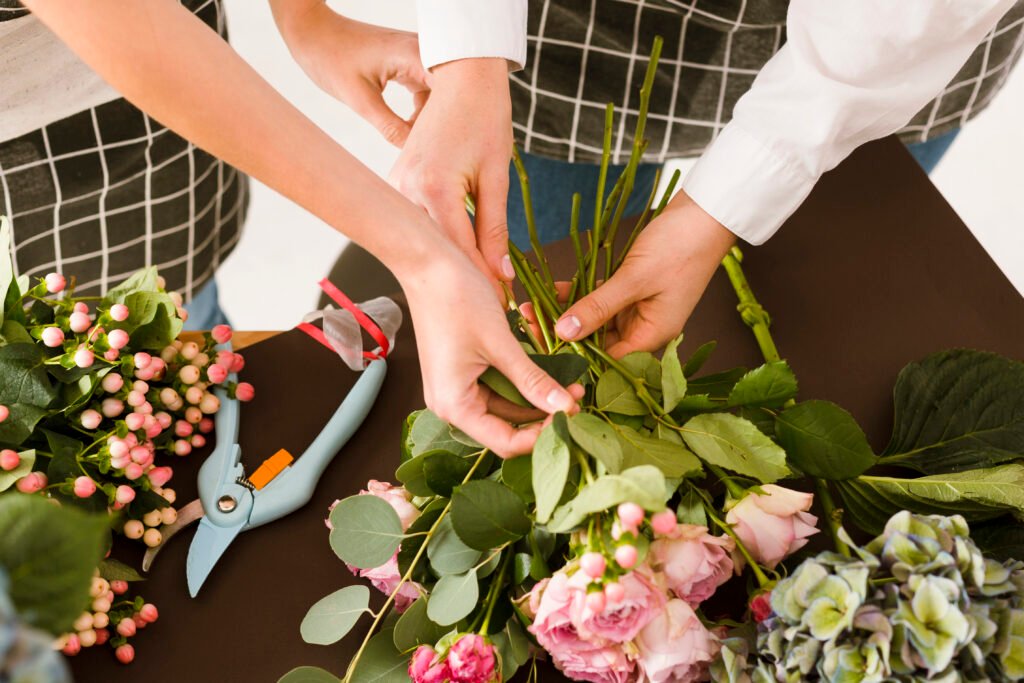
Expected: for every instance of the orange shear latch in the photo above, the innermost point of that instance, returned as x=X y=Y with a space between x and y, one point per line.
x=270 y=468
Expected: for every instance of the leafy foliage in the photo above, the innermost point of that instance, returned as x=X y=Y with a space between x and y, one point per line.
x=823 y=440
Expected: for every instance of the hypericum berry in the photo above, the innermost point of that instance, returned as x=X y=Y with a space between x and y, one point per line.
x=168 y=515
x=135 y=398
x=124 y=494
x=593 y=564
x=9 y=460
x=183 y=428
x=111 y=355
x=133 y=529
x=84 y=358
x=210 y=404
x=152 y=518
x=118 y=448
x=189 y=350
x=614 y=592
x=664 y=522
x=134 y=421
x=55 y=283
x=596 y=601
x=141 y=455
x=119 y=587
x=625 y=556
x=80 y=307
x=189 y=374
x=217 y=373
x=73 y=646
x=32 y=482
x=152 y=538
x=158 y=476
x=149 y=613
x=112 y=383
x=168 y=354
x=198 y=441
x=90 y=419
x=83 y=622
x=169 y=495
x=194 y=394
x=126 y=627
x=84 y=487
x=5 y=412
x=119 y=312
x=156 y=367
x=163 y=419
x=53 y=337
x=206 y=425
x=182 y=447
x=193 y=415
x=245 y=391
x=112 y=407
x=133 y=471
x=631 y=515
x=238 y=362
x=125 y=653
x=100 y=621
x=183 y=314
x=221 y=334
x=102 y=636
x=118 y=339
x=87 y=637
x=79 y=322
x=100 y=604
x=201 y=360
x=99 y=587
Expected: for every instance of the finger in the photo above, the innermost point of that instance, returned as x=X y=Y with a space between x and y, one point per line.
x=497 y=434
x=639 y=335
x=562 y=290
x=492 y=222
x=419 y=100
x=506 y=410
x=370 y=105
x=596 y=309
x=534 y=384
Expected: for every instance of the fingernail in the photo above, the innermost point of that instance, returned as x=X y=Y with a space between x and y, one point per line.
x=559 y=400
x=568 y=327
x=506 y=267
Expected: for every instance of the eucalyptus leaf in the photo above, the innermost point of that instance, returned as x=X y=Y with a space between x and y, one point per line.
x=503 y=386
x=699 y=357
x=517 y=474
x=672 y=458
x=550 y=467
x=410 y=474
x=486 y=514
x=772 y=384
x=381 y=662
x=598 y=439
x=737 y=445
x=414 y=627
x=673 y=380
x=9 y=477
x=616 y=395
x=308 y=674
x=644 y=485
x=453 y=598
x=447 y=553
x=333 y=616
x=444 y=471
x=415 y=537
x=823 y=440
x=430 y=433
x=366 y=531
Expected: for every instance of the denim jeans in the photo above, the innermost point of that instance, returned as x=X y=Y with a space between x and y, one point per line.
x=204 y=311
x=552 y=183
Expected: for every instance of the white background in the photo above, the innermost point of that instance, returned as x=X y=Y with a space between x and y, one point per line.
x=269 y=282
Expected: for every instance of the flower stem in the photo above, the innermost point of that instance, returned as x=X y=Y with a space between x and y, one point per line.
x=762 y=580
x=531 y=222
x=833 y=517
x=495 y=591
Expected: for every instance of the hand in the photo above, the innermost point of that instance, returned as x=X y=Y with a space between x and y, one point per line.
x=461 y=331
x=648 y=300
x=354 y=61
x=461 y=145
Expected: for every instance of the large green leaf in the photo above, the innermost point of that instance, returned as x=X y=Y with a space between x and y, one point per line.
x=616 y=395
x=644 y=365
x=958 y=410
x=644 y=485
x=673 y=379
x=9 y=477
x=736 y=444
x=671 y=457
x=486 y=514
x=550 y=467
x=144 y=280
x=25 y=388
x=597 y=438
x=333 y=616
x=366 y=531
x=430 y=433
x=381 y=662
x=823 y=440
x=414 y=627
x=162 y=328
x=564 y=368
x=772 y=384
x=308 y=674
x=517 y=474
x=444 y=471
x=447 y=553
x=1001 y=538
x=49 y=554
x=453 y=598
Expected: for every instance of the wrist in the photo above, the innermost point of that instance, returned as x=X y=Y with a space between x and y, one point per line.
x=293 y=17
x=487 y=73
x=698 y=223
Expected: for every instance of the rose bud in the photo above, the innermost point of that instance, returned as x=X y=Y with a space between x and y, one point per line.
x=773 y=524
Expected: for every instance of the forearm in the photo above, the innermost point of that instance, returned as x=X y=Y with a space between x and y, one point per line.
x=169 y=64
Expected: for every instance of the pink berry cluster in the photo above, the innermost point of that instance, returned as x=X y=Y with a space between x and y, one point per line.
x=470 y=659
x=623 y=551
x=111 y=618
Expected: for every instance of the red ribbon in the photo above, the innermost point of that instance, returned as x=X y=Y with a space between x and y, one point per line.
x=364 y=321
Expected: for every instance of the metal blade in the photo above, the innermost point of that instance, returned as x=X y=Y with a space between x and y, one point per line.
x=208 y=545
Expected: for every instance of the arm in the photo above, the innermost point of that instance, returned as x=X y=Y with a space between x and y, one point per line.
x=851 y=71
x=168 y=63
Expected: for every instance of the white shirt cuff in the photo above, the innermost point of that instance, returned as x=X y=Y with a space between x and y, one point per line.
x=746 y=186
x=461 y=29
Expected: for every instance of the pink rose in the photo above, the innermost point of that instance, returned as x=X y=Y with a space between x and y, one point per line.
x=619 y=622
x=607 y=664
x=471 y=660
x=675 y=646
x=773 y=525
x=397 y=497
x=426 y=667
x=386 y=578
x=761 y=606
x=693 y=561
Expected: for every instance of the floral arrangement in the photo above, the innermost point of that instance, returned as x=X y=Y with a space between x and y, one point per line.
x=606 y=549
x=96 y=394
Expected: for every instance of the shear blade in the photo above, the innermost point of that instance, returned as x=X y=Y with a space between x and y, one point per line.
x=208 y=545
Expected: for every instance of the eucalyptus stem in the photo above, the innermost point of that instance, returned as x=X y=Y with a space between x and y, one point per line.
x=531 y=222
x=492 y=595
x=379 y=616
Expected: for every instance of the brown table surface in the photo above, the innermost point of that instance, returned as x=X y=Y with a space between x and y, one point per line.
x=874 y=271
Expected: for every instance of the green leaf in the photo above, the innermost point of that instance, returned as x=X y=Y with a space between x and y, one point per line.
x=550 y=468
x=673 y=380
x=8 y=478
x=486 y=514
x=144 y=280
x=672 y=458
x=517 y=474
x=308 y=674
x=772 y=384
x=430 y=433
x=410 y=473
x=381 y=662
x=115 y=570
x=699 y=357
x=1002 y=538
x=6 y=267
x=513 y=647
x=995 y=488
x=415 y=536
x=25 y=388
x=414 y=627
x=823 y=440
x=644 y=485
x=717 y=385
x=453 y=598
x=332 y=617
x=616 y=395
x=597 y=438
x=735 y=444
x=13 y=332
x=644 y=365
x=447 y=553
x=163 y=325
x=958 y=410
x=502 y=386
x=444 y=471
x=49 y=554
x=564 y=368
x=691 y=509
x=367 y=531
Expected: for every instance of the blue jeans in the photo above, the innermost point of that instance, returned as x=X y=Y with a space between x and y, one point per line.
x=552 y=183
x=204 y=311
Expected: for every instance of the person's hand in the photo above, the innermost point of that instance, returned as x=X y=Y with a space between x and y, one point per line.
x=461 y=145
x=648 y=300
x=354 y=61
x=461 y=331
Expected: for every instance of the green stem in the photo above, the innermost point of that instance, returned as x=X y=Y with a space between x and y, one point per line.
x=641 y=222
x=492 y=596
x=574 y=233
x=525 y=326
x=832 y=516
x=525 y=276
x=531 y=223
x=762 y=580
x=599 y=203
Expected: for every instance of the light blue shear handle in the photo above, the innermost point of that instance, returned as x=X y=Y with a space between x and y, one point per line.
x=293 y=488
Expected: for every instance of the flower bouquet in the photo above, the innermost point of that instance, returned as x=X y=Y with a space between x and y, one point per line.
x=96 y=395
x=601 y=550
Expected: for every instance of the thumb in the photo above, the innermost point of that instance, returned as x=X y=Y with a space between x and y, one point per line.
x=595 y=309
x=534 y=384
x=370 y=105
x=491 y=223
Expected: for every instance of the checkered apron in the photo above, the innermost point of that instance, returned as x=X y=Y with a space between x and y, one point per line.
x=109 y=190
x=582 y=54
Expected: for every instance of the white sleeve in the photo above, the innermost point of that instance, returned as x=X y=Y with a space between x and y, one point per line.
x=851 y=71
x=459 y=29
